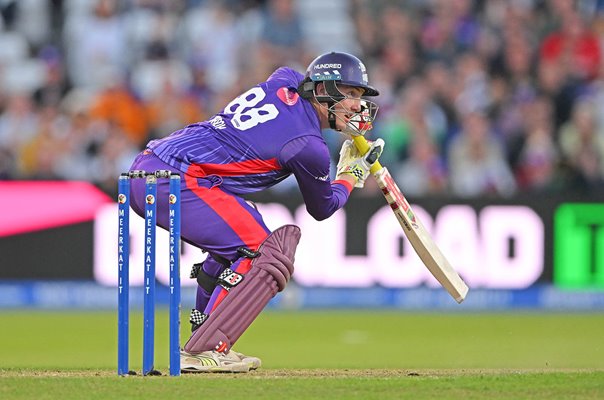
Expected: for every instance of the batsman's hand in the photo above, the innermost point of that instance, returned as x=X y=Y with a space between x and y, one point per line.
x=353 y=163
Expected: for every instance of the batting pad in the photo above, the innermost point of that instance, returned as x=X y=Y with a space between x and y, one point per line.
x=269 y=274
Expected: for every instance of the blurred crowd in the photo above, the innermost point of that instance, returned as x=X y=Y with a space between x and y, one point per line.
x=478 y=98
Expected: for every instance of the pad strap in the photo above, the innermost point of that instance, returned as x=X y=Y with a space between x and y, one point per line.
x=227 y=279
x=196 y=319
x=206 y=281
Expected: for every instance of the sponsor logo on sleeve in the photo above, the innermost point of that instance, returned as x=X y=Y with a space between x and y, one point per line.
x=287 y=96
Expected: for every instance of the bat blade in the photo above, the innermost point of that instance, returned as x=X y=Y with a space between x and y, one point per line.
x=420 y=239
x=416 y=233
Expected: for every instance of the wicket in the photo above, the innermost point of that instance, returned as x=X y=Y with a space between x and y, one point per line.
x=149 y=272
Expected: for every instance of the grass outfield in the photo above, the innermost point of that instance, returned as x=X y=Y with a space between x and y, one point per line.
x=343 y=355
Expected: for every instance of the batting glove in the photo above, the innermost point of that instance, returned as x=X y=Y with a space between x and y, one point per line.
x=353 y=163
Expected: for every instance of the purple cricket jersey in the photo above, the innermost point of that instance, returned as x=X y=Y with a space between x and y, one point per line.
x=259 y=139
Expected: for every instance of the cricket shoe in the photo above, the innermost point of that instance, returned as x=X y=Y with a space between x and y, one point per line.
x=213 y=361
x=254 y=362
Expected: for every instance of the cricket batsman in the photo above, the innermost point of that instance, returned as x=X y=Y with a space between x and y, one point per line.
x=260 y=138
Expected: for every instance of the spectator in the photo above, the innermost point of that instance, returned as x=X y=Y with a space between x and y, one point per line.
x=582 y=146
x=117 y=105
x=112 y=154
x=416 y=115
x=477 y=162
x=39 y=157
x=95 y=38
x=19 y=124
x=574 y=47
x=202 y=26
x=7 y=164
x=438 y=78
x=170 y=109
x=536 y=165
x=471 y=83
x=281 y=38
x=399 y=57
x=551 y=82
x=423 y=173
x=449 y=31
x=54 y=87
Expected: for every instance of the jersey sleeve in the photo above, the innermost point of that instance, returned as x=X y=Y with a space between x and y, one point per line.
x=307 y=157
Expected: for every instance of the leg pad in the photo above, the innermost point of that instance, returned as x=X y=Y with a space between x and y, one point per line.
x=269 y=274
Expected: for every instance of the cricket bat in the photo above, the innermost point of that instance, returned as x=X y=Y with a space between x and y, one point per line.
x=418 y=236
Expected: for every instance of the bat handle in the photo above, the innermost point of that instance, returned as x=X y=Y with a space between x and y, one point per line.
x=363 y=146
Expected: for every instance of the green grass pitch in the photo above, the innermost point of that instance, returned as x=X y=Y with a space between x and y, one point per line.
x=318 y=354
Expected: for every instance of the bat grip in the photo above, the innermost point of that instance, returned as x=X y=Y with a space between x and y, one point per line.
x=363 y=147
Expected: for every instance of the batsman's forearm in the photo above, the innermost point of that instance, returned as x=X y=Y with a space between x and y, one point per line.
x=361 y=144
